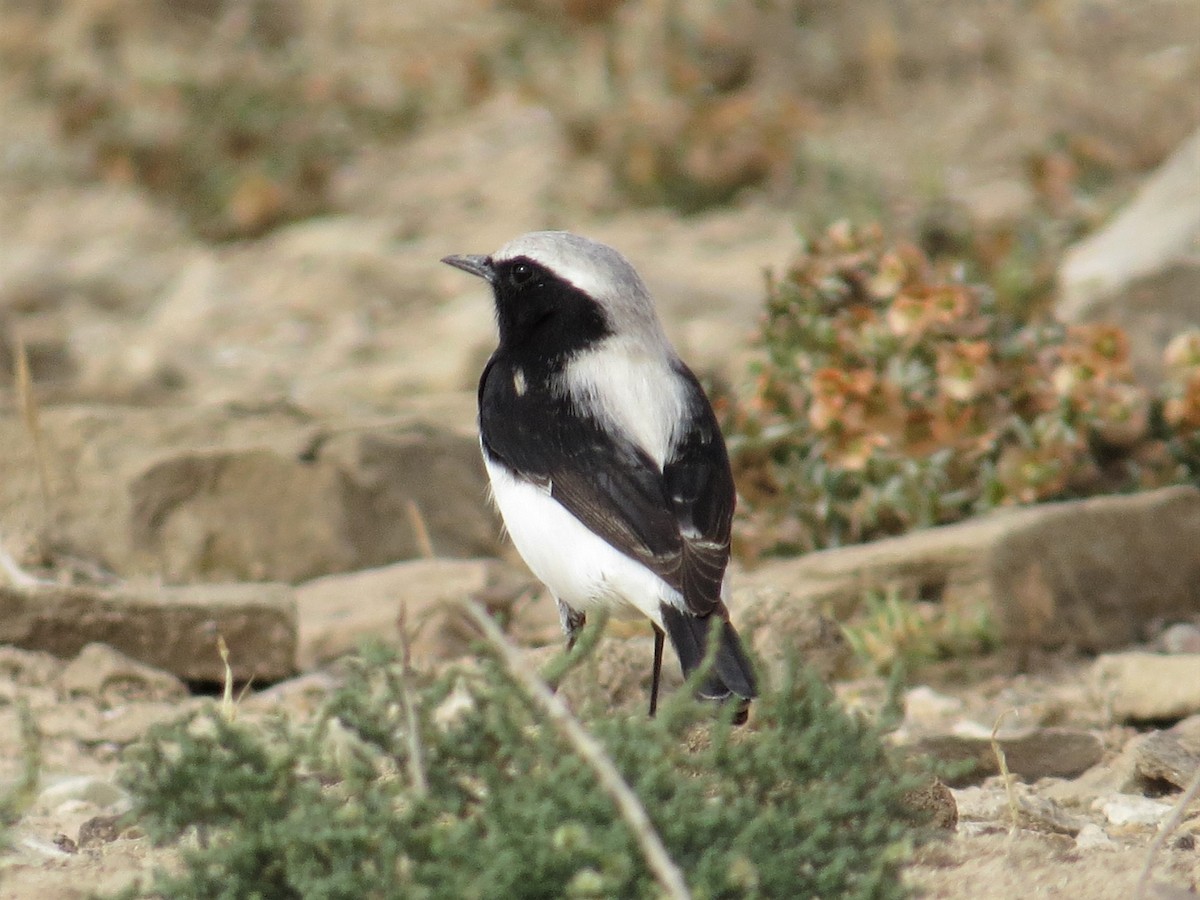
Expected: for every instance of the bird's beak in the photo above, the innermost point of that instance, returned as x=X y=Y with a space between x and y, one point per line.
x=476 y=265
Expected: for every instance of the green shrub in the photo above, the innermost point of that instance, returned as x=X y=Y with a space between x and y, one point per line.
x=894 y=632
x=803 y=802
x=16 y=797
x=237 y=151
x=894 y=395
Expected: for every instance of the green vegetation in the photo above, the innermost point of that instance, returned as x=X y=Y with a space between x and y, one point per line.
x=895 y=633
x=17 y=797
x=484 y=798
x=895 y=395
x=238 y=152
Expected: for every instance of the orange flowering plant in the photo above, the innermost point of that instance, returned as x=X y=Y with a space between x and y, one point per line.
x=892 y=394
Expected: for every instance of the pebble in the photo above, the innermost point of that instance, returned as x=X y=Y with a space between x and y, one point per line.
x=85 y=788
x=1092 y=837
x=923 y=706
x=1130 y=809
x=1182 y=637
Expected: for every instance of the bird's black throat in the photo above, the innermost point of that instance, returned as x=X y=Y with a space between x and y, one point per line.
x=543 y=319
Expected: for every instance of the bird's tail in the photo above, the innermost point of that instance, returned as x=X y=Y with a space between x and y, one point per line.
x=732 y=676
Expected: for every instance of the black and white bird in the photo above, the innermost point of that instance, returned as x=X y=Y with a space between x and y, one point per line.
x=605 y=458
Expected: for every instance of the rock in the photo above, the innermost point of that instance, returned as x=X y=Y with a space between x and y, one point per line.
x=935 y=805
x=987 y=802
x=1130 y=809
x=998 y=803
x=616 y=676
x=351 y=501
x=105 y=674
x=1084 y=573
x=925 y=708
x=1116 y=775
x=1149 y=687
x=1166 y=756
x=214 y=493
x=244 y=514
x=301 y=696
x=1092 y=837
x=170 y=628
x=100 y=830
x=93 y=455
x=29 y=668
x=778 y=624
x=96 y=791
x=412 y=479
x=1048 y=752
x=1143 y=269
x=1043 y=814
x=1182 y=637
x=337 y=612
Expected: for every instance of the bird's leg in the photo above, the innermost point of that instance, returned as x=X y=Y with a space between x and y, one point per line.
x=656 y=671
x=572 y=623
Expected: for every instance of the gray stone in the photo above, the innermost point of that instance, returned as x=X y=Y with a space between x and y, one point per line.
x=1085 y=573
x=423 y=471
x=1149 y=687
x=1132 y=809
x=227 y=493
x=1092 y=837
x=1165 y=756
x=243 y=514
x=779 y=624
x=103 y=673
x=1048 y=752
x=337 y=612
x=170 y=628
x=352 y=500
x=1143 y=269
x=88 y=788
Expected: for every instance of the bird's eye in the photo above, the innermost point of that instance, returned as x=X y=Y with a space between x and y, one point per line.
x=521 y=273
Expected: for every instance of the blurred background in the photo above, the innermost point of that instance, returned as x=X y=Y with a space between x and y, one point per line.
x=220 y=222
x=237 y=386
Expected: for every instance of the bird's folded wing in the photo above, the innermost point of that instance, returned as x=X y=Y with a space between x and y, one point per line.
x=676 y=523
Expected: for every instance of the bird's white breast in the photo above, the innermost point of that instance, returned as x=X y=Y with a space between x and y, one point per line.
x=576 y=564
x=633 y=391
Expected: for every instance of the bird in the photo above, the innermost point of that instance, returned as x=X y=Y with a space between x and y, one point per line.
x=604 y=456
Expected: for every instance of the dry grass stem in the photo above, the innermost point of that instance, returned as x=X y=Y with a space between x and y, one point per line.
x=420 y=530
x=1010 y=791
x=29 y=415
x=228 y=707
x=589 y=749
x=416 y=757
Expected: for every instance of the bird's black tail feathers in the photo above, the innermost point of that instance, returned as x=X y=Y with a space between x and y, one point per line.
x=731 y=675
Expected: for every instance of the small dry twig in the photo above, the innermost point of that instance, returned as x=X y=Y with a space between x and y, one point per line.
x=589 y=749
x=27 y=403
x=424 y=543
x=228 y=709
x=416 y=759
x=1177 y=814
x=1010 y=792
x=228 y=701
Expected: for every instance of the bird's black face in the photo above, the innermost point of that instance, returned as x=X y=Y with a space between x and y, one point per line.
x=541 y=316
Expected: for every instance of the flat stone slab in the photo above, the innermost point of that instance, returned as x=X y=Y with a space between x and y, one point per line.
x=1150 y=687
x=1089 y=574
x=168 y=627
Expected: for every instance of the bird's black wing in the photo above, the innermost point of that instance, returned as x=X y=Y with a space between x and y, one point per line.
x=676 y=521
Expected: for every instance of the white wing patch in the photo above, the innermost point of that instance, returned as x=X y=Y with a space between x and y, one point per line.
x=632 y=391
